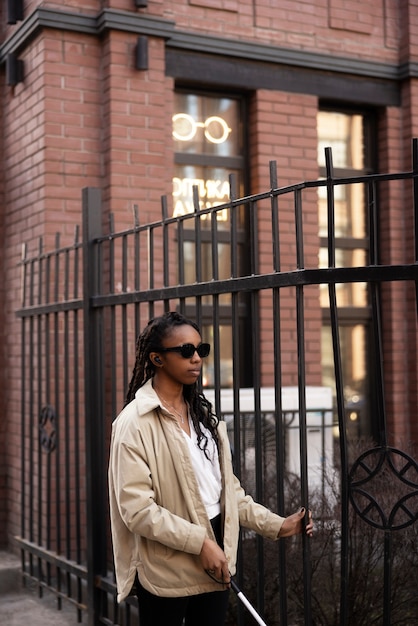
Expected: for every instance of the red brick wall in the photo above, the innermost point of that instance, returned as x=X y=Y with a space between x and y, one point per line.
x=363 y=29
x=85 y=117
x=137 y=109
x=51 y=150
x=355 y=29
x=396 y=129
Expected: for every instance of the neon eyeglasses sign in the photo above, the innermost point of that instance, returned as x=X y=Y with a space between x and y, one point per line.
x=215 y=129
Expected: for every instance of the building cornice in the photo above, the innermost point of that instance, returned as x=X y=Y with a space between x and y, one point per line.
x=141 y=24
x=44 y=18
x=281 y=56
x=137 y=23
x=108 y=19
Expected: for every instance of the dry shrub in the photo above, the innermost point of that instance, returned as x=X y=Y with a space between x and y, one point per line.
x=366 y=552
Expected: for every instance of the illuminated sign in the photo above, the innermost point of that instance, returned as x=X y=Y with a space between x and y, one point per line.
x=211 y=193
x=216 y=130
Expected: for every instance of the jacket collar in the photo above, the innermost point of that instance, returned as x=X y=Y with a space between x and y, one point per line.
x=146 y=399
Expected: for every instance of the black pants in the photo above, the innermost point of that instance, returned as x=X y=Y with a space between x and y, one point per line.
x=205 y=609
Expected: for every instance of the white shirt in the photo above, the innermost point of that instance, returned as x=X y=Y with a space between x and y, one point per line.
x=207 y=470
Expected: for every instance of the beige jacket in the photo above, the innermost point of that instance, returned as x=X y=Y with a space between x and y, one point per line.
x=158 y=519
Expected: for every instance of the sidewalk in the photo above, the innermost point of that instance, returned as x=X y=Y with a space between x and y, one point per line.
x=20 y=606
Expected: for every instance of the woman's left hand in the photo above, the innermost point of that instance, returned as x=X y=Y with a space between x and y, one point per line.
x=296 y=523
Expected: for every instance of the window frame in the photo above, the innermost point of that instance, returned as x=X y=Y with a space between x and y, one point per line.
x=236 y=162
x=350 y=315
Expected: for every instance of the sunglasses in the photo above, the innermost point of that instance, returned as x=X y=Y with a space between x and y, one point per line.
x=187 y=350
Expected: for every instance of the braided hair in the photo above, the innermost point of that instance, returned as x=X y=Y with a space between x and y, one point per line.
x=150 y=340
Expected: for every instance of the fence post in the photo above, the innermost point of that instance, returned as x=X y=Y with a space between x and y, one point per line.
x=94 y=405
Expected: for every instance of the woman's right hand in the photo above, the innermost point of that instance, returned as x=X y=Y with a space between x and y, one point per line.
x=214 y=562
x=296 y=524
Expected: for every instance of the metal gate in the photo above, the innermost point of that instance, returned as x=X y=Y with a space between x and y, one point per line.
x=82 y=308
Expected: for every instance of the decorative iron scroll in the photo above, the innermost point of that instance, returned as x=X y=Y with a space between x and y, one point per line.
x=391 y=479
x=47 y=431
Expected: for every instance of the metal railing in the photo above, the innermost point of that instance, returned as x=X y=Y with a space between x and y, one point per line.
x=82 y=308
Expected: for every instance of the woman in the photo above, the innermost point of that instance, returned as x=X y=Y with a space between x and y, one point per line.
x=175 y=505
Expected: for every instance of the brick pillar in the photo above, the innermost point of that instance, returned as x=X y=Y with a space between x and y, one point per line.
x=283 y=127
x=398 y=127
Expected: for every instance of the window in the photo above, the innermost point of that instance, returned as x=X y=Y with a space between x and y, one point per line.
x=209 y=145
x=347 y=133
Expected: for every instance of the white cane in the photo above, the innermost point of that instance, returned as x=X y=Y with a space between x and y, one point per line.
x=247 y=604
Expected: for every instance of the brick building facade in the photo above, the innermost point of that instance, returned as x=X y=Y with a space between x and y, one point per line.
x=88 y=97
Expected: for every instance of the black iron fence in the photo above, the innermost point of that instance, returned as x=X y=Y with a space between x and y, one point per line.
x=83 y=305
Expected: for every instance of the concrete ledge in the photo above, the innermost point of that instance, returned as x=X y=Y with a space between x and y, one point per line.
x=10 y=573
